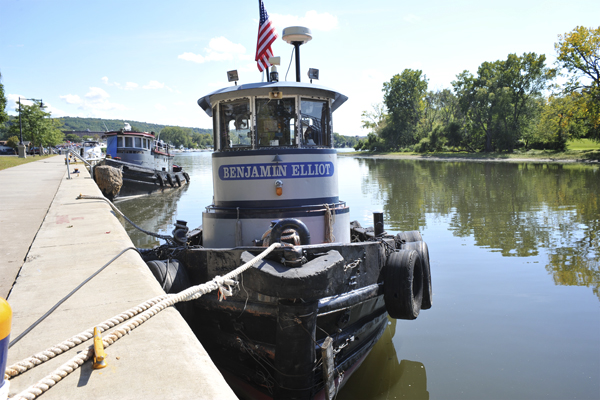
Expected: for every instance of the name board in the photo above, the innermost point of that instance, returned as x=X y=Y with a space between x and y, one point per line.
x=279 y=170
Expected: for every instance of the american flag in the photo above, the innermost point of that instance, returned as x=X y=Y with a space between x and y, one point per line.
x=266 y=37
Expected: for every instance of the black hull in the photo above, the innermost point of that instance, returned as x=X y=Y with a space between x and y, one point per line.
x=140 y=181
x=268 y=335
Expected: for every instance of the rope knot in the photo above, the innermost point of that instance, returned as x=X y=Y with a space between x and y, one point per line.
x=225 y=286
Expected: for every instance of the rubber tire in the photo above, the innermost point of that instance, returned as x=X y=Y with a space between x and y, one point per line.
x=178 y=180
x=160 y=180
x=171 y=275
x=170 y=180
x=403 y=284
x=423 y=250
x=407 y=237
x=187 y=177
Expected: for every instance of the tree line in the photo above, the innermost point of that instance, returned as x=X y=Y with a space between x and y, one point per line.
x=508 y=104
x=41 y=130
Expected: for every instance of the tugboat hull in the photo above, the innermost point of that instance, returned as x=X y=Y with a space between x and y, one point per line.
x=271 y=332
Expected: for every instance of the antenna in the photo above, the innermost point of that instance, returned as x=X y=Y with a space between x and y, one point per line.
x=297 y=36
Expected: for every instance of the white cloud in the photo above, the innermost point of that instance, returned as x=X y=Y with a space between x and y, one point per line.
x=71 y=98
x=128 y=85
x=154 y=85
x=197 y=58
x=313 y=20
x=96 y=95
x=219 y=49
x=93 y=102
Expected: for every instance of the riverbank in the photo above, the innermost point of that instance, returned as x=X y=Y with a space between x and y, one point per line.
x=54 y=242
x=585 y=156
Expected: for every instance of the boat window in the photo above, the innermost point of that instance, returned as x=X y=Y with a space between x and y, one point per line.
x=315 y=123
x=276 y=122
x=128 y=142
x=119 y=141
x=138 y=142
x=235 y=124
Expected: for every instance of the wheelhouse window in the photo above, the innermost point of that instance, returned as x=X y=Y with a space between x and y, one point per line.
x=128 y=142
x=315 y=122
x=138 y=142
x=235 y=126
x=119 y=141
x=276 y=122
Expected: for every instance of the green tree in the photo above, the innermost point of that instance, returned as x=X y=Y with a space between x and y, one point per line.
x=71 y=137
x=499 y=102
x=37 y=126
x=403 y=98
x=13 y=142
x=561 y=119
x=578 y=53
x=177 y=136
x=3 y=114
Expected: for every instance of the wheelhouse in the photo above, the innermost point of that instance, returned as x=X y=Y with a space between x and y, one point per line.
x=272 y=115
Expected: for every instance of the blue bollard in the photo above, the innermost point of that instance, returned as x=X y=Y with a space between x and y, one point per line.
x=5 y=321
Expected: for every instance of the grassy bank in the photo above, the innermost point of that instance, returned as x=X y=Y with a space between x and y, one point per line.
x=583 y=150
x=13 y=161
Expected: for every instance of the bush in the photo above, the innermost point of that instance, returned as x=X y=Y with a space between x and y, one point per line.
x=13 y=142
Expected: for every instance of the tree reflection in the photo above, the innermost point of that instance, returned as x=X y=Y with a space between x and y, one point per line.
x=381 y=376
x=513 y=208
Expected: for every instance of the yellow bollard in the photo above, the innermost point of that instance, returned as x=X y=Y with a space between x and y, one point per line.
x=99 y=354
x=5 y=321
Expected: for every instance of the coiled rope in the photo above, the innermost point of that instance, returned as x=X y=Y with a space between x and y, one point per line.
x=148 y=309
x=168 y=238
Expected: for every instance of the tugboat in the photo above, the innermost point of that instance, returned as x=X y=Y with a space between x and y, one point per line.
x=302 y=320
x=146 y=163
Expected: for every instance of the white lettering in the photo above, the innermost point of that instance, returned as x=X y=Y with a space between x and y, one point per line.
x=265 y=170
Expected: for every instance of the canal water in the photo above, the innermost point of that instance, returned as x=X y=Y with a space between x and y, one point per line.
x=515 y=264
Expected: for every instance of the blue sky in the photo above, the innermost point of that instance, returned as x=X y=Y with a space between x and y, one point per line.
x=151 y=60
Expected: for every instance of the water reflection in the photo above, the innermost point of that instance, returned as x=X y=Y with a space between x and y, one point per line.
x=382 y=377
x=155 y=213
x=159 y=211
x=516 y=209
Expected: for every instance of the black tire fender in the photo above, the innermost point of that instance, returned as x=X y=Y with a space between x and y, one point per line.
x=187 y=177
x=171 y=275
x=170 y=180
x=161 y=180
x=423 y=250
x=289 y=223
x=403 y=284
x=178 y=180
x=407 y=237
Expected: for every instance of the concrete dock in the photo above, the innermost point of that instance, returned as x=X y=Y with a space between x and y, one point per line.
x=52 y=242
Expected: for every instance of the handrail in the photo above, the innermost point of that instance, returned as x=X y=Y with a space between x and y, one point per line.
x=71 y=151
x=78 y=156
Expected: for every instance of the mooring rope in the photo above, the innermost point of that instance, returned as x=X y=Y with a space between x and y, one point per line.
x=168 y=238
x=329 y=222
x=192 y=293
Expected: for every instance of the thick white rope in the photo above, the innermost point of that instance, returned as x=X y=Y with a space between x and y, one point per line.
x=46 y=355
x=191 y=293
